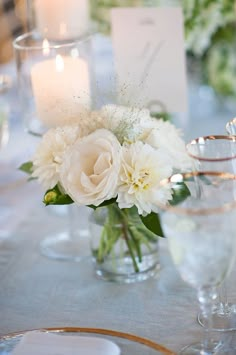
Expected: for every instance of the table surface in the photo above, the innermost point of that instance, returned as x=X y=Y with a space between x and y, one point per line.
x=40 y=292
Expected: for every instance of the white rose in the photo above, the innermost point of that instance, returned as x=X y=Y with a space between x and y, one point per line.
x=90 y=169
x=48 y=156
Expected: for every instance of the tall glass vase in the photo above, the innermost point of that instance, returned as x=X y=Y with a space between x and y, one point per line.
x=123 y=249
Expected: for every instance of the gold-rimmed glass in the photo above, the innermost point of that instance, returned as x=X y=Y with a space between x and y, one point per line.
x=213 y=153
x=231 y=127
x=201 y=239
x=216 y=153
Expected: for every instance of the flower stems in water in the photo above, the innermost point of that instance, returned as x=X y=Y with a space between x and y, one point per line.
x=124 y=224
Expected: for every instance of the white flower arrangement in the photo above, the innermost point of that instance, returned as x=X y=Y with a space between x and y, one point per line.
x=114 y=157
x=124 y=155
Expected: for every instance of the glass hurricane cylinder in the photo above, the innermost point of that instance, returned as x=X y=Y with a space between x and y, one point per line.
x=59 y=20
x=5 y=84
x=53 y=81
x=123 y=249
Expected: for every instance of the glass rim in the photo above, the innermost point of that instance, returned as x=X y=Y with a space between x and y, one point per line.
x=51 y=44
x=210 y=138
x=180 y=177
x=229 y=124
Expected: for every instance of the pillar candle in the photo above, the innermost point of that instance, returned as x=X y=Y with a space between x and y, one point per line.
x=61 y=89
x=62 y=19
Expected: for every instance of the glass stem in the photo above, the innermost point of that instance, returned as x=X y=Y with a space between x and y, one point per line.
x=223 y=298
x=206 y=298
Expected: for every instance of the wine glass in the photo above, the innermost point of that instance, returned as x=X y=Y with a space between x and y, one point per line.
x=231 y=127
x=201 y=238
x=216 y=153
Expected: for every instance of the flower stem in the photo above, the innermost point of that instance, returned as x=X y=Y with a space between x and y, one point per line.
x=136 y=244
x=126 y=237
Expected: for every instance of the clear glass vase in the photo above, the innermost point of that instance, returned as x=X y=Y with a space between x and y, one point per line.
x=123 y=249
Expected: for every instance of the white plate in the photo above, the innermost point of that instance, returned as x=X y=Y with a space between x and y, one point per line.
x=129 y=344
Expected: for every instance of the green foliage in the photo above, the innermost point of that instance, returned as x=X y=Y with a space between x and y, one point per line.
x=152 y=222
x=105 y=203
x=55 y=196
x=27 y=167
x=180 y=193
x=164 y=115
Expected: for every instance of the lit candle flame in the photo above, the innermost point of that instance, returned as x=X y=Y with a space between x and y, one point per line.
x=59 y=63
x=46 y=48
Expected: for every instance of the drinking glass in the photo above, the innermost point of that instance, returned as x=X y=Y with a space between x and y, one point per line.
x=231 y=127
x=216 y=153
x=201 y=238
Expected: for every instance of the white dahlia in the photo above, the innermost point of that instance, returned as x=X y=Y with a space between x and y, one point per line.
x=142 y=169
x=49 y=154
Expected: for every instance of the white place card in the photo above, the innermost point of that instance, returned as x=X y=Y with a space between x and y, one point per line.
x=42 y=343
x=149 y=57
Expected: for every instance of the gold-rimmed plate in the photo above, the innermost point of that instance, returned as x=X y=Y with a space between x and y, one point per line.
x=129 y=344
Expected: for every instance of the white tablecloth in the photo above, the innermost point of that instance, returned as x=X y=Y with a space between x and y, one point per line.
x=39 y=292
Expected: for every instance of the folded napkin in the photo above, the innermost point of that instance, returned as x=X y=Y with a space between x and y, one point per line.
x=42 y=343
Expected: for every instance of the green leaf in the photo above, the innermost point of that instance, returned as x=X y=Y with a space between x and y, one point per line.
x=180 y=193
x=56 y=197
x=27 y=167
x=105 y=203
x=165 y=116
x=152 y=222
x=146 y=234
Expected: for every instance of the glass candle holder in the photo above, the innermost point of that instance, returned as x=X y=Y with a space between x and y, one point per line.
x=5 y=84
x=59 y=20
x=53 y=81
